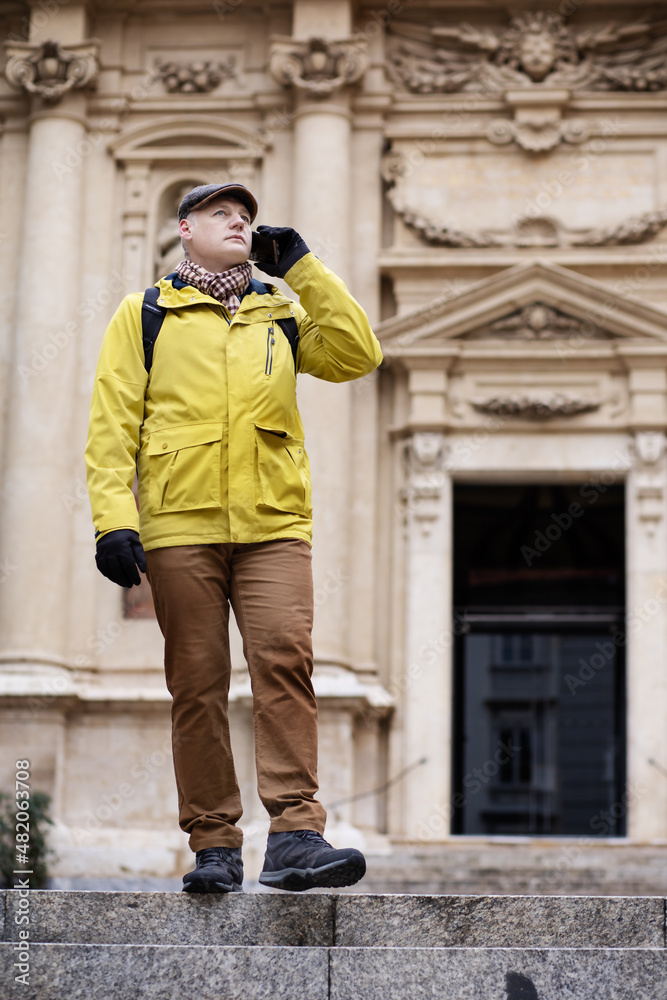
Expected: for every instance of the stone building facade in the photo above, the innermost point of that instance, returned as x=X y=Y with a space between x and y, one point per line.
x=490 y=549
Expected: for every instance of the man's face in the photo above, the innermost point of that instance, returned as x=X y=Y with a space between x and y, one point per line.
x=218 y=235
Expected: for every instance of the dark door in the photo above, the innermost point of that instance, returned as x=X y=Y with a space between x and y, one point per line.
x=539 y=692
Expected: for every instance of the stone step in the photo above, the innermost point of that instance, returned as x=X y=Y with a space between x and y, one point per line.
x=125 y=945
x=210 y=972
x=336 y=920
x=583 y=867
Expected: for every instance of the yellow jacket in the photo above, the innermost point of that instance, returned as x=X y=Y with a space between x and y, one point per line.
x=214 y=432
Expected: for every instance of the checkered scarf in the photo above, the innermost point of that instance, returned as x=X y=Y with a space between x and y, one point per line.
x=226 y=286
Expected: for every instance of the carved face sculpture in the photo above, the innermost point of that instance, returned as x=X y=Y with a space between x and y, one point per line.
x=426 y=447
x=538 y=52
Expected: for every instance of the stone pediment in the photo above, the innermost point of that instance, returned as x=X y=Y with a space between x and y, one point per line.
x=533 y=304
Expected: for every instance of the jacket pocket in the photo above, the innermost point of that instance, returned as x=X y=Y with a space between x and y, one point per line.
x=282 y=472
x=184 y=468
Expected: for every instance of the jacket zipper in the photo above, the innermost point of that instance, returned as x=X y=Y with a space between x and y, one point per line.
x=269 y=351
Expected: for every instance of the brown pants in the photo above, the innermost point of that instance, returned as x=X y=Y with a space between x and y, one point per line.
x=270 y=588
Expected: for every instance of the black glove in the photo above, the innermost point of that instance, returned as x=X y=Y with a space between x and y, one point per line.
x=118 y=555
x=291 y=248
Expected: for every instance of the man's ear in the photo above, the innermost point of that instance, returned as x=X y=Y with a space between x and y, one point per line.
x=185 y=229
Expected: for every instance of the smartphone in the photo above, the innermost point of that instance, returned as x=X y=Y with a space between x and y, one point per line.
x=263 y=249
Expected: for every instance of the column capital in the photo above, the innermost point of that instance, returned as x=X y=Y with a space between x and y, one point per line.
x=318 y=66
x=50 y=71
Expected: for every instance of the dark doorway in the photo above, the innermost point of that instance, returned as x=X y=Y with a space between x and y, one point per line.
x=539 y=670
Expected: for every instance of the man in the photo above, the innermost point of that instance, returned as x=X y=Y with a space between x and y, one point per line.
x=224 y=518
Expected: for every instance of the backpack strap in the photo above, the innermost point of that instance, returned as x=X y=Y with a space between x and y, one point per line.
x=291 y=331
x=152 y=318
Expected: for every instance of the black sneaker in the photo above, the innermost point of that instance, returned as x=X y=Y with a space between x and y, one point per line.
x=302 y=859
x=218 y=869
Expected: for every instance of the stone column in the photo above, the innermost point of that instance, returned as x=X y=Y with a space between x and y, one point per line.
x=426 y=681
x=319 y=62
x=321 y=164
x=36 y=524
x=647 y=638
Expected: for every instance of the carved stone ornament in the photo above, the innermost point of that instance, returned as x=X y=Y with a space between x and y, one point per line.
x=318 y=66
x=443 y=236
x=649 y=447
x=538 y=321
x=536 y=49
x=537 y=131
x=424 y=465
x=650 y=479
x=49 y=70
x=195 y=77
x=542 y=406
x=636 y=229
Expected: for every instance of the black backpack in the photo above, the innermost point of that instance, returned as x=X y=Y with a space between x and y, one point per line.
x=152 y=318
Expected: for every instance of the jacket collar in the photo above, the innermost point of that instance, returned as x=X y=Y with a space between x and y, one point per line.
x=175 y=293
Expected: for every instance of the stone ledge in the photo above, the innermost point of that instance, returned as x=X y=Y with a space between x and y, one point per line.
x=521 y=867
x=351 y=920
x=498 y=973
x=208 y=972
x=167 y=972
x=176 y=918
x=500 y=921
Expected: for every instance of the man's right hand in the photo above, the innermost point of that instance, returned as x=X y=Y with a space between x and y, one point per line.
x=118 y=555
x=291 y=248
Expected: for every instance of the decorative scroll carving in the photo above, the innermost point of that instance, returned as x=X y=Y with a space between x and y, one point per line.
x=49 y=70
x=443 y=236
x=537 y=131
x=545 y=406
x=195 y=77
x=637 y=229
x=649 y=448
x=317 y=65
x=424 y=459
x=535 y=49
x=534 y=231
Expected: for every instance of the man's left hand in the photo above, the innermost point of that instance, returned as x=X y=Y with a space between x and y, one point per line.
x=118 y=555
x=291 y=248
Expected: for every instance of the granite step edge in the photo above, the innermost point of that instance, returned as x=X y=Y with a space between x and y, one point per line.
x=346 y=920
x=206 y=972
